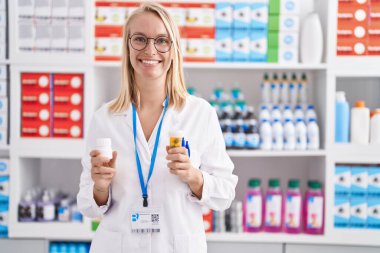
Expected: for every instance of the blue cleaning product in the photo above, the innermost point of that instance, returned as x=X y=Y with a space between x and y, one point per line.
x=342 y=118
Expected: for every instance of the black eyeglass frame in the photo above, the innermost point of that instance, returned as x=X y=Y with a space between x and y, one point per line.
x=148 y=38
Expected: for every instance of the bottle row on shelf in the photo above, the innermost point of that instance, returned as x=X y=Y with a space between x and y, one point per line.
x=273 y=212
x=48 y=205
x=69 y=247
x=358 y=125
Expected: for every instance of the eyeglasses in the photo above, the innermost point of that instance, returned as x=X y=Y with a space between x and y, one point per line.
x=140 y=42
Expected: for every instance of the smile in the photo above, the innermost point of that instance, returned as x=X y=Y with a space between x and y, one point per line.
x=150 y=62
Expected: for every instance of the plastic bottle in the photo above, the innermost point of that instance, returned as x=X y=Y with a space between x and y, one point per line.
x=287 y=114
x=264 y=113
x=375 y=127
x=27 y=208
x=298 y=113
x=45 y=208
x=265 y=89
x=284 y=89
x=228 y=134
x=76 y=215
x=275 y=90
x=265 y=135
x=278 y=135
x=310 y=113
x=360 y=123
x=301 y=132
x=276 y=113
x=312 y=135
x=273 y=207
x=293 y=208
x=302 y=89
x=289 y=135
x=342 y=118
x=239 y=138
x=293 y=90
x=104 y=146
x=314 y=209
x=253 y=207
x=64 y=211
x=252 y=136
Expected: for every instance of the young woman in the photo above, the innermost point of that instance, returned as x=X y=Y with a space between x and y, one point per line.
x=149 y=195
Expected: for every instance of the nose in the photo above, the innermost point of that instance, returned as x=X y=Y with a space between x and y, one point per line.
x=150 y=48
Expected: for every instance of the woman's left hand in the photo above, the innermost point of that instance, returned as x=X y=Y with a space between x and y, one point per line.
x=180 y=165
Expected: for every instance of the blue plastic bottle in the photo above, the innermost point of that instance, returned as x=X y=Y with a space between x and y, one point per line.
x=342 y=118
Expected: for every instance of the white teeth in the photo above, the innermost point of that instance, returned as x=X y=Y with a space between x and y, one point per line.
x=149 y=62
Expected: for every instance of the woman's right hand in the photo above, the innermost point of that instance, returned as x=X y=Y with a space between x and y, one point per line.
x=102 y=170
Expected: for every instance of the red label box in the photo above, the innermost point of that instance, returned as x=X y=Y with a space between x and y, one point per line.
x=68 y=105
x=35 y=105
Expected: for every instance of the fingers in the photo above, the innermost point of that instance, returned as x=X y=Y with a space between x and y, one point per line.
x=180 y=150
x=94 y=153
x=103 y=170
x=177 y=157
x=99 y=160
x=179 y=166
x=112 y=162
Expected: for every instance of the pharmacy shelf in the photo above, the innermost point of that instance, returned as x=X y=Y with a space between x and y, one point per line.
x=356 y=153
x=262 y=153
x=359 y=66
x=52 y=230
x=49 y=148
x=234 y=65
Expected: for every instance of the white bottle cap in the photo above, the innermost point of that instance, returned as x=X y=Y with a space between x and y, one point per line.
x=103 y=142
x=43 y=98
x=177 y=133
x=43 y=81
x=340 y=96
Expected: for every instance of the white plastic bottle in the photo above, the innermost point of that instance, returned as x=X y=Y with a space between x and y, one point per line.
x=360 y=123
x=289 y=135
x=375 y=127
x=278 y=135
x=265 y=135
x=284 y=89
x=301 y=132
x=312 y=135
x=287 y=114
x=265 y=89
x=298 y=113
x=104 y=146
x=275 y=90
x=264 y=113
x=293 y=90
x=276 y=113
x=302 y=89
x=310 y=113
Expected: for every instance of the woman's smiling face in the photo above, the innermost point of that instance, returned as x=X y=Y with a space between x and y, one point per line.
x=149 y=62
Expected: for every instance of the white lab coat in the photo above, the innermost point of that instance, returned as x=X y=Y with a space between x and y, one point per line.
x=182 y=229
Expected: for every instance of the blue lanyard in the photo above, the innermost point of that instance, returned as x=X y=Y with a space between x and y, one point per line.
x=144 y=187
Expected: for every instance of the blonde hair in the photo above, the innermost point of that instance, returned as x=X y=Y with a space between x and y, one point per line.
x=175 y=85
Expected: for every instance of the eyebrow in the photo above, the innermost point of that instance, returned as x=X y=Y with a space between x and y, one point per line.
x=158 y=35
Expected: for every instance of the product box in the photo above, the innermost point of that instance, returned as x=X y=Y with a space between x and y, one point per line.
x=274 y=7
x=3 y=105
x=351 y=47
x=3 y=137
x=359 y=181
x=341 y=212
x=76 y=8
x=4 y=167
x=359 y=33
x=259 y=46
x=108 y=43
x=283 y=40
x=4 y=189
x=76 y=36
x=351 y=15
x=223 y=45
x=42 y=8
x=59 y=8
x=284 y=23
x=3 y=72
x=373 y=46
x=290 y=7
x=241 y=45
x=259 y=15
x=374 y=181
x=26 y=35
x=42 y=37
x=3 y=88
x=4 y=210
x=58 y=36
x=178 y=13
x=200 y=50
x=342 y=181
x=224 y=15
x=288 y=55
x=358 y=218
x=373 y=218
x=242 y=16
x=68 y=105
x=200 y=15
x=3 y=120
x=208 y=218
x=272 y=54
x=111 y=13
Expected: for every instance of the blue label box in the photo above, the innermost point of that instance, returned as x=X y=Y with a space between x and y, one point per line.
x=289 y=23
x=4 y=220
x=358 y=218
x=374 y=181
x=224 y=15
x=290 y=7
x=341 y=212
x=342 y=180
x=224 y=45
x=260 y=15
x=4 y=188
x=259 y=46
x=241 y=45
x=242 y=16
x=359 y=181
x=288 y=40
x=373 y=219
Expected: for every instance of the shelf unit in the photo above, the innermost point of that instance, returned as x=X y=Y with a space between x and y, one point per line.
x=101 y=84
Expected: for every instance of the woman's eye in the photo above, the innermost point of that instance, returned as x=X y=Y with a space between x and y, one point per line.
x=140 y=39
x=162 y=41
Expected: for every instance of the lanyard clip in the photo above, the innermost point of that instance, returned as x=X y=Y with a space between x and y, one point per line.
x=145 y=201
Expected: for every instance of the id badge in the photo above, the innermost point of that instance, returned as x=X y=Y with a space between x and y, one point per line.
x=145 y=220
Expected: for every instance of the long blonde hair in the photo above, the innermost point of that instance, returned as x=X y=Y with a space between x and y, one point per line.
x=175 y=85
